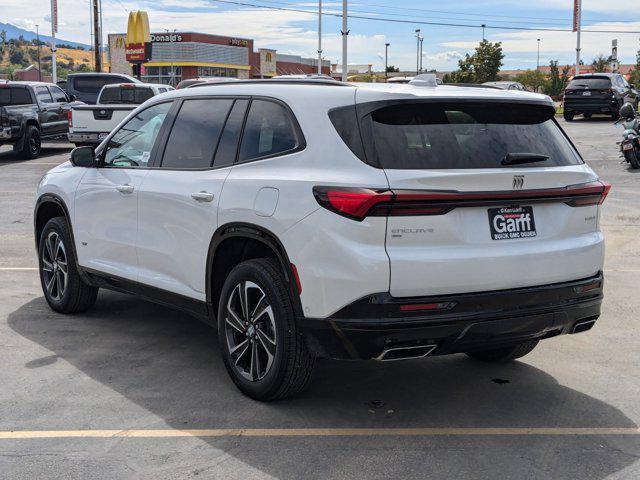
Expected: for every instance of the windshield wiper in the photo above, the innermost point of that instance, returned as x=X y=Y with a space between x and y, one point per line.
x=519 y=158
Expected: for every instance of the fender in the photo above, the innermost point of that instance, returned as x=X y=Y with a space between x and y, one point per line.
x=254 y=232
x=26 y=120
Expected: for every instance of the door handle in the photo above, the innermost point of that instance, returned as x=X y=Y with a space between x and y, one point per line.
x=202 y=196
x=125 y=188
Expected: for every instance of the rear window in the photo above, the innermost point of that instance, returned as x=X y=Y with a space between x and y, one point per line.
x=90 y=84
x=128 y=95
x=14 y=96
x=597 y=83
x=431 y=135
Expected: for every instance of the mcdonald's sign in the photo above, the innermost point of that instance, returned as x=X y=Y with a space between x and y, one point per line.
x=138 y=43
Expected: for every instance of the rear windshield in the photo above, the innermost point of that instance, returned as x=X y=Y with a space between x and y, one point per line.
x=597 y=83
x=461 y=135
x=89 y=84
x=129 y=95
x=14 y=96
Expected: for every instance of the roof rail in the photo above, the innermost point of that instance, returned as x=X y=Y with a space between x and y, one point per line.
x=284 y=81
x=471 y=85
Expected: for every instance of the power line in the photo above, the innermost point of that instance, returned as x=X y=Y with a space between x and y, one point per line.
x=419 y=22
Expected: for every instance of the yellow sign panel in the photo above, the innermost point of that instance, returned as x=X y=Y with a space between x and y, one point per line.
x=138 y=28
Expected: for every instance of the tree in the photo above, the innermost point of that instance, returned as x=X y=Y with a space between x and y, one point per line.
x=635 y=73
x=601 y=63
x=3 y=36
x=483 y=66
x=533 y=79
x=557 y=81
x=392 y=68
x=17 y=58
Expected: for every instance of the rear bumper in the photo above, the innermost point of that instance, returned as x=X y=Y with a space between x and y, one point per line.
x=603 y=106
x=457 y=323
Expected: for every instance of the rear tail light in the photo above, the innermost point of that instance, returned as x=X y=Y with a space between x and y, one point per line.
x=358 y=203
x=70 y=118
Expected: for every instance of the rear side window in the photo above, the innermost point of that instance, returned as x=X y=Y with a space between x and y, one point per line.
x=228 y=145
x=14 y=96
x=268 y=131
x=194 y=136
x=463 y=135
x=128 y=95
x=592 y=83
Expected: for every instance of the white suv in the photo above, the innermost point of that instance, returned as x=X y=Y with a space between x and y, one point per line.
x=311 y=218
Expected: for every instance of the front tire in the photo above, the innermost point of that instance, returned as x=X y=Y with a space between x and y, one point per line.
x=63 y=288
x=262 y=350
x=504 y=354
x=32 y=145
x=632 y=158
x=568 y=116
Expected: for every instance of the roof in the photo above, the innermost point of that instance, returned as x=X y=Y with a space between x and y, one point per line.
x=33 y=83
x=596 y=75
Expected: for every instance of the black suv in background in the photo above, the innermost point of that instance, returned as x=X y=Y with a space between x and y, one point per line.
x=602 y=93
x=31 y=112
x=86 y=86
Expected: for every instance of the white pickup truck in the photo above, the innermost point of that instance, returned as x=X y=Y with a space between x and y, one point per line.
x=90 y=124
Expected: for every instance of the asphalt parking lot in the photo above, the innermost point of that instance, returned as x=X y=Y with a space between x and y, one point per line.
x=134 y=390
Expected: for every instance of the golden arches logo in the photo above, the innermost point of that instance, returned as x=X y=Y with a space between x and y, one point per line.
x=120 y=42
x=268 y=57
x=138 y=28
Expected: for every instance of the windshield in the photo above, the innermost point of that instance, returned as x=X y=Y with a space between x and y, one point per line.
x=597 y=83
x=14 y=96
x=463 y=135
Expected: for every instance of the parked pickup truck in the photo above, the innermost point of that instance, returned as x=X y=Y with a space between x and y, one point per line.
x=90 y=124
x=31 y=112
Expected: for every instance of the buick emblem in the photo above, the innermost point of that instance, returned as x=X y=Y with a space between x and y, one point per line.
x=518 y=182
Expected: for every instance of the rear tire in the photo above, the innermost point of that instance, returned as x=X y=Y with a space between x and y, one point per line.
x=32 y=145
x=262 y=350
x=63 y=288
x=615 y=115
x=504 y=354
x=633 y=159
x=568 y=116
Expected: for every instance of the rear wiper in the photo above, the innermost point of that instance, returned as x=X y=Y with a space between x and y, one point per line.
x=519 y=158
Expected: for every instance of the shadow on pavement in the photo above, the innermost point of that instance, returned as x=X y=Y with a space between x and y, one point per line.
x=9 y=157
x=168 y=363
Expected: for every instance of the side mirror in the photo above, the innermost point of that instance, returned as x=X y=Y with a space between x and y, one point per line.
x=631 y=85
x=72 y=98
x=83 y=157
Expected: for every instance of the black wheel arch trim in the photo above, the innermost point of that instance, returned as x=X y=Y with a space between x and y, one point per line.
x=254 y=232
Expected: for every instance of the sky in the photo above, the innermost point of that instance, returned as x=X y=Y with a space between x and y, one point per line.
x=296 y=32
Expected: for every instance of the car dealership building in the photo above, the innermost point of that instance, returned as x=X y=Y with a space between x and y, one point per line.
x=183 y=55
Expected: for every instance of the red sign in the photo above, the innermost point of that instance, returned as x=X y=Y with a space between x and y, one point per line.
x=135 y=52
x=577 y=13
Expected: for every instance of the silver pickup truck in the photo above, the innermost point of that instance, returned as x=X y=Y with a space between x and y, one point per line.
x=90 y=124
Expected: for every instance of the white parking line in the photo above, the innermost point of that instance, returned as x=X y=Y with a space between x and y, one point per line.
x=315 y=432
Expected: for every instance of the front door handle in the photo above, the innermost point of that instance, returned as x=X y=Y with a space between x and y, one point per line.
x=202 y=196
x=125 y=188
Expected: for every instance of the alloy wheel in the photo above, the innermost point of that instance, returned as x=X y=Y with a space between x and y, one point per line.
x=34 y=143
x=250 y=331
x=54 y=266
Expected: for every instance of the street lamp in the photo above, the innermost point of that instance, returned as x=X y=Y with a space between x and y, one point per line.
x=172 y=76
x=538 y=62
x=319 y=37
x=421 y=40
x=386 y=58
x=417 y=51
x=38 y=40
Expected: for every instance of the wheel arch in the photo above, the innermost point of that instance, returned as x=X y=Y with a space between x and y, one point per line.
x=48 y=206
x=235 y=242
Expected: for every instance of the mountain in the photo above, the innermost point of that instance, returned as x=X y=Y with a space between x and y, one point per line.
x=15 y=32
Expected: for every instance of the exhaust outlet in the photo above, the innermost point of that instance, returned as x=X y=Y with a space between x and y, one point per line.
x=584 y=325
x=405 y=353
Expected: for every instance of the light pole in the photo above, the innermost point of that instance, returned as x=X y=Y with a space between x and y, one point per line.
x=483 y=27
x=417 y=51
x=345 y=32
x=538 y=62
x=38 y=40
x=577 y=26
x=386 y=61
x=172 y=76
x=421 y=40
x=319 y=37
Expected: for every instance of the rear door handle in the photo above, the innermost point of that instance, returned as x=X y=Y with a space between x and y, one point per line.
x=202 y=196
x=125 y=188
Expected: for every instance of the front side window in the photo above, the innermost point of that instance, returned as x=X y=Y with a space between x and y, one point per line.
x=58 y=95
x=43 y=95
x=194 y=136
x=131 y=146
x=268 y=131
x=436 y=135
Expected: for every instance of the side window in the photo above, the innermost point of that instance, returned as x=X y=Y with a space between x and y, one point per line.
x=58 y=95
x=228 y=145
x=194 y=136
x=43 y=95
x=131 y=145
x=268 y=131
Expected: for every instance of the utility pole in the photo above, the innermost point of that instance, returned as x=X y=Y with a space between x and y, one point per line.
x=319 y=37
x=421 y=40
x=417 y=51
x=54 y=29
x=101 y=39
x=577 y=25
x=538 y=62
x=96 y=36
x=483 y=27
x=386 y=61
x=345 y=32
x=38 y=40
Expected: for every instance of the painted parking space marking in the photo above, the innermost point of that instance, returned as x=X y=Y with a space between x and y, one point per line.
x=317 y=432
